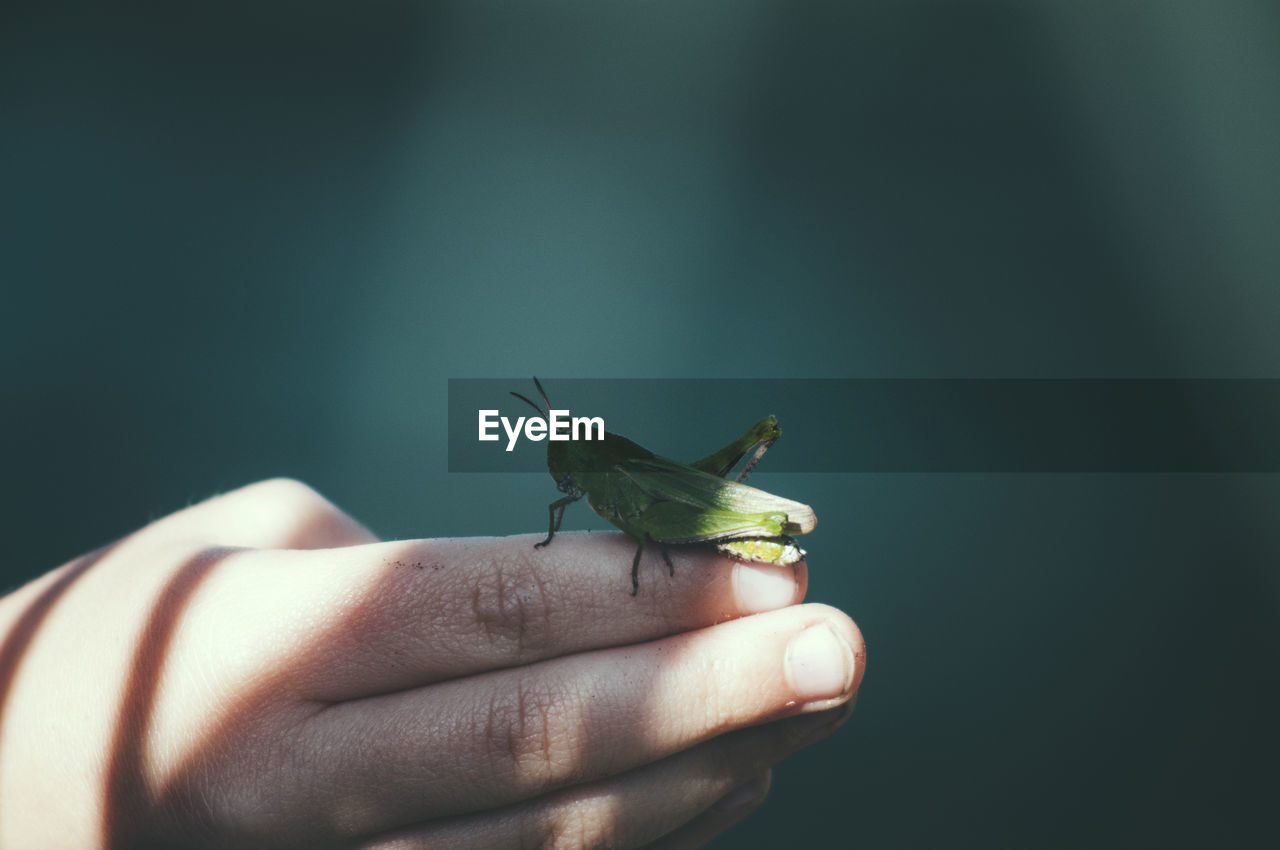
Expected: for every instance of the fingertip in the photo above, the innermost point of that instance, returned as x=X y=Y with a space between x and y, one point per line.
x=767 y=587
x=807 y=729
x=723 y=814
x=746 y=796
x=859 y=647
x=848 y=632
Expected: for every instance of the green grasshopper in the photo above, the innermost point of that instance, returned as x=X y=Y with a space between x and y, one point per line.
x=655 y=499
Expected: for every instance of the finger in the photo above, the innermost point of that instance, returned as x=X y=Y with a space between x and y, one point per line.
x=744 y=799
x=422 y=611
x=517 y=734
x=705 y=787
x=279 y=513
x=724 y=813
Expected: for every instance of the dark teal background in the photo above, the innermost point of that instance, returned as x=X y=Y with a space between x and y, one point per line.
x=256 y=239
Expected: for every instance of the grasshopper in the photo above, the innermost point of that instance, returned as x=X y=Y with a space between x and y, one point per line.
x=654 y=499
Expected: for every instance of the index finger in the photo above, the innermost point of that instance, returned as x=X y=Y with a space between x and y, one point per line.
x=416 y=612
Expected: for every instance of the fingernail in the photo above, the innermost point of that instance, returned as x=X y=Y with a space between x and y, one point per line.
x=819 y=664
x=764 y=587
x=744 y=796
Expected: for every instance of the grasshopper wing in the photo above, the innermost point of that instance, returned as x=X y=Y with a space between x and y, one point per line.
x=669 y=481
x=676 y=522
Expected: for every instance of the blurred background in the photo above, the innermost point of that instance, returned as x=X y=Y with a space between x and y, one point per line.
x=243 y=240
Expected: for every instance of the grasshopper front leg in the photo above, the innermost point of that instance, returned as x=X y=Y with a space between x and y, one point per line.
x=554 y=521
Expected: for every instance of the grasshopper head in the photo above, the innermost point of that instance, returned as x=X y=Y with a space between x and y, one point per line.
x=562 y=465
x=560 y=461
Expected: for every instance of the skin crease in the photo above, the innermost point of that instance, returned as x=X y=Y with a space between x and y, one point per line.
x=258 y=670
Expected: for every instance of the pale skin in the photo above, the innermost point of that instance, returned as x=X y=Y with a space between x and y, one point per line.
x=258 y=670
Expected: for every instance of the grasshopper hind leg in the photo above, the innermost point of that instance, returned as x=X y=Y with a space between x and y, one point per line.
x=635 y=563
x=635 y=568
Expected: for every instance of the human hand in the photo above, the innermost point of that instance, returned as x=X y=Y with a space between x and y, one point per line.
x=258 y=671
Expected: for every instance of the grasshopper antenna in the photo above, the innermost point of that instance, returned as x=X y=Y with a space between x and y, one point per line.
x=544 y=414
x=542 y=392
x=531 y=404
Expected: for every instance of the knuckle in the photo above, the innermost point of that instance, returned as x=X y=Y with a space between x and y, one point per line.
x=290 y=514
x=511 y=606
x=288 y=496
x=573 y=826
x=527 y=736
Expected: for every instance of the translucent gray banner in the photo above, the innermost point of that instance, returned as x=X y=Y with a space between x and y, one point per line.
x=899 y=425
